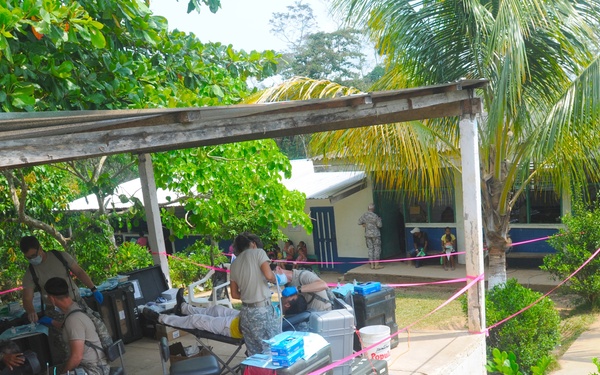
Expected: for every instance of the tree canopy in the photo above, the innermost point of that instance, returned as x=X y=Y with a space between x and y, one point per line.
x=542 y=106
x=92 y=54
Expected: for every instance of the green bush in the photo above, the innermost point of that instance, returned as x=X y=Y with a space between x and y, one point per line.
x=98 y=256
x=574 y=245
x=532 y=334
x=188 y=270
x=506 y=364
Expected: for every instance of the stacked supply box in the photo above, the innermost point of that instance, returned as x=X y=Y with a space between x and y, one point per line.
x=286 y=351
x=337 y=327
x=376 y=308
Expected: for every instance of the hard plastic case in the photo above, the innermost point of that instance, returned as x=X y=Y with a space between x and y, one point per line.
x=303 y=367
x=362 y=366
x=119 y=313
x=377 y=308
x=337 y=327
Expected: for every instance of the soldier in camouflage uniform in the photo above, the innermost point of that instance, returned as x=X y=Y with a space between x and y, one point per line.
x=79 y=331
x=249 y=275
x=44 y=265
x=372 y=222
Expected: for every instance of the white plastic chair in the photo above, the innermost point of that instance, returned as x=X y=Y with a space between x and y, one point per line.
x=210 y=300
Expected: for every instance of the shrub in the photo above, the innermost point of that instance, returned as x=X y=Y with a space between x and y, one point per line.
x=186 y=272
x=575 y=244
x=530 y=335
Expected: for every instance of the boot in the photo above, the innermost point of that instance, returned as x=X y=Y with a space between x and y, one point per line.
x=378 y=266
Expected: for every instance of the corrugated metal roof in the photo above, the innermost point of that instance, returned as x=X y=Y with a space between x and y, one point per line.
x=129 y=189
x=320 y=185
x=316 y=185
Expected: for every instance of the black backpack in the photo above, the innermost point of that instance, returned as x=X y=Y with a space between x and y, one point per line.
x=105 y=337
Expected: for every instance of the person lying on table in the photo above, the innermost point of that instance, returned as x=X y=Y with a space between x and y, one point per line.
x=215 y=319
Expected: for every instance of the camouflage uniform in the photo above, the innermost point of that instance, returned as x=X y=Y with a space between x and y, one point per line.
x=258 y=324
x=372 y=223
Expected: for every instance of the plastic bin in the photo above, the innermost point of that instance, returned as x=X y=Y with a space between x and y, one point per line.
x=337 y=327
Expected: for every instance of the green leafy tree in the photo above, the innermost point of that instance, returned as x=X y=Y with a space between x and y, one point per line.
x=541 y=106
x=295 y=25
x=58 y=56
x=224 y=183
x=574 y=244
x=336 y=56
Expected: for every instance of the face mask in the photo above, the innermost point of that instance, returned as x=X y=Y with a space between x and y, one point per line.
x=36 y=261
x=281 y=278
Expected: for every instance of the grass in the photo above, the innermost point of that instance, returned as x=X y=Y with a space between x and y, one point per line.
x=413 y=304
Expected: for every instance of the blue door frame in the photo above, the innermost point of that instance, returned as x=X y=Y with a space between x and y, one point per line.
x=324 y=236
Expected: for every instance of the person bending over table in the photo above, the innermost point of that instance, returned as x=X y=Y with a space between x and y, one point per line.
x=248 y=282
x=309 y=285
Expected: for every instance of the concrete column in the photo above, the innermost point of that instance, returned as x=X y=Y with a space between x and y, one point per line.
x=155 y=233
x=473 y=232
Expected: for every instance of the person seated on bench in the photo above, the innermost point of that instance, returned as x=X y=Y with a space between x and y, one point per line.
x=420 y=245
x=448 y=247
x=309 y=285
x=216 y=319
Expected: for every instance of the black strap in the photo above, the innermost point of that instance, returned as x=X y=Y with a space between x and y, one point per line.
x=313 y=294
x=88 y=343
x=36 y=279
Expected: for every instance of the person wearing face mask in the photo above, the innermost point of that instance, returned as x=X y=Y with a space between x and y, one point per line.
x=307 y=284
x=44 y=265
x=248 y=282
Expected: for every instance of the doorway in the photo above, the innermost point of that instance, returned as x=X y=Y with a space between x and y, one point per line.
x=324 y=236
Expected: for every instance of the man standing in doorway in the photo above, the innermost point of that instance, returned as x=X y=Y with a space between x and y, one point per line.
x=372 y=222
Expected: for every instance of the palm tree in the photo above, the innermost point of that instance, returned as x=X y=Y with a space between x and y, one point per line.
x=541 y=107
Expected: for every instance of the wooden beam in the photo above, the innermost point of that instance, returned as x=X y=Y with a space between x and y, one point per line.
x=168 y=132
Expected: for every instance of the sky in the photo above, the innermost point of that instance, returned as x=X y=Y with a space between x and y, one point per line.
x=242 y=23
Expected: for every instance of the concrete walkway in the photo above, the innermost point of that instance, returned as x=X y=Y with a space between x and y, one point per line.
x=578 y=358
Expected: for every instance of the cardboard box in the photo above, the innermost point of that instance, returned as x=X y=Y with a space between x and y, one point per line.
x=179 y=353
x=169 y=332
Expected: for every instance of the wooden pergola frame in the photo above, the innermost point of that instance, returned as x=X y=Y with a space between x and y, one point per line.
x=28 y=139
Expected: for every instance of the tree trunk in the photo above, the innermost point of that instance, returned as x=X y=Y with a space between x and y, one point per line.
x=497 y=267
x=496 y=225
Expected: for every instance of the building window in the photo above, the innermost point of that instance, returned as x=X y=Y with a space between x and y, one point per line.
x=441 y=210
x=537 y=207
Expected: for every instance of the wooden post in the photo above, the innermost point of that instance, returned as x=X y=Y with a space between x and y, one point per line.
x=155 y=233
x=473 y=232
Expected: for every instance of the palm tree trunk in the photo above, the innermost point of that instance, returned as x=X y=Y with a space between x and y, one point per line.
x=496 y=226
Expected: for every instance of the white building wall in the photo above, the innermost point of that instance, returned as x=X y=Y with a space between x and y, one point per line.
x=349 y=235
